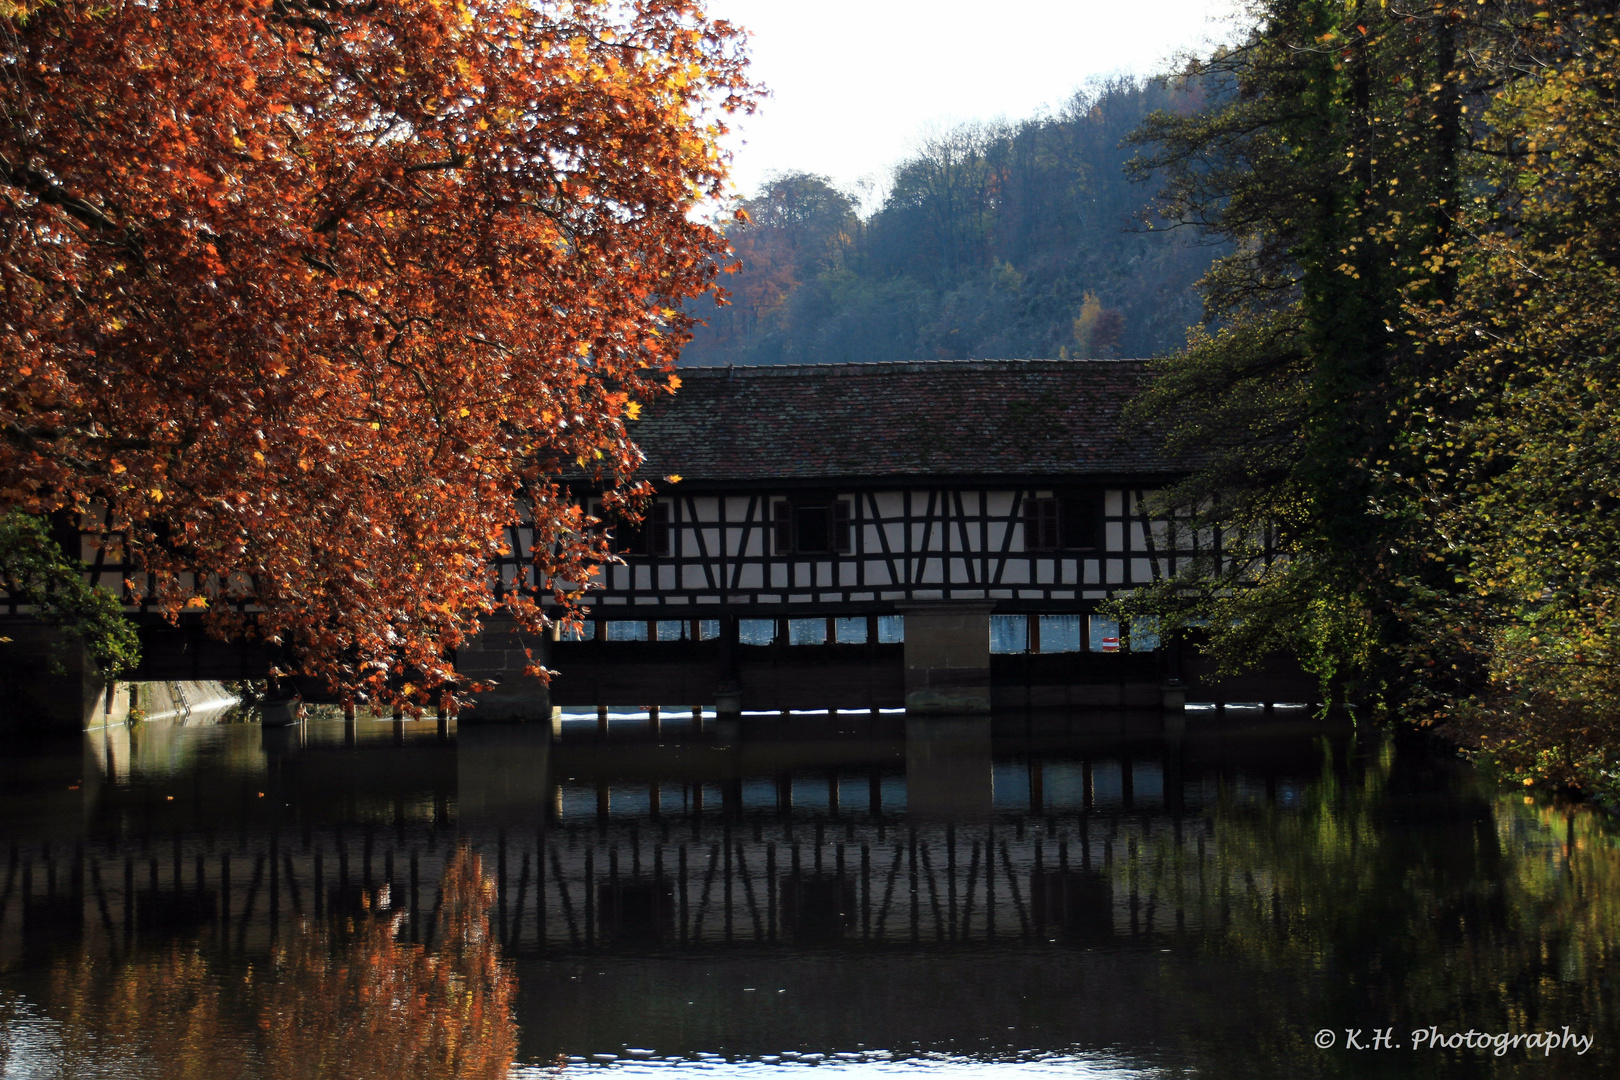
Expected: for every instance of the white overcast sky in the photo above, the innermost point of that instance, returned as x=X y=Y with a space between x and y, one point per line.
x=855 y=84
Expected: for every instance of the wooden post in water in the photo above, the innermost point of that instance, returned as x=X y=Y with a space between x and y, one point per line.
x=916 y=897
x=866 y=891
x=838 y=872
x=680 y=888
x=275 y=883
x=416 y=917
x=540 y=884
x=990 y=884
x=590 y=898
x=224 y=889
x=796 y=878
x=500 y=883
x=770 y=891
x=725 y=838
x=615 y=896
x=1037 y=892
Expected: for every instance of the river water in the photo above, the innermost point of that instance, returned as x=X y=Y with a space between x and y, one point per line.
x=858 y=894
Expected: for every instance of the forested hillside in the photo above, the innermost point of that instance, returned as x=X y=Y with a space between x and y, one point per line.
x=995 y=240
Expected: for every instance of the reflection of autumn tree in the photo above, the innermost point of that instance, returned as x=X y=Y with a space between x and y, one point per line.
x=376 y=1007
x=170 y=1008
x=8 y=1014
x=1382 y=898
x=340 y=1002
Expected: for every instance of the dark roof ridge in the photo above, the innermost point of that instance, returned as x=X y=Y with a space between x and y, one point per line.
x=920 y=418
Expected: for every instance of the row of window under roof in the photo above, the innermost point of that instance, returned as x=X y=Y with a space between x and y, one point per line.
x=1008 y=633
x=1066 y=786
x=824 y=527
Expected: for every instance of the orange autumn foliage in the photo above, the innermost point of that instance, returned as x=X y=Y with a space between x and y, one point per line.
x=340 y=1001
x=379 y=1007
x=311 y=299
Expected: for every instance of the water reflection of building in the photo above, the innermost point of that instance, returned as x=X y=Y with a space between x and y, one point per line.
x=895 y=832
x=1214 y=892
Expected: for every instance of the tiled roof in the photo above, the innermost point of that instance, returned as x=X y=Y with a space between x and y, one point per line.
x=931 y=419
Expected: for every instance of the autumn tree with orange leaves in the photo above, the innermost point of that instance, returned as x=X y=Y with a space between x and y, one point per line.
x=344 y=999
x=305 y=301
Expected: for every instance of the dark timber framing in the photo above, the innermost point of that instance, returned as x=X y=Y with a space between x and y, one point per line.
x=936 y=463
x=945 y=541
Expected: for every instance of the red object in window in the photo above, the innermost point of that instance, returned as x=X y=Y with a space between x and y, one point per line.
x=1110 y=644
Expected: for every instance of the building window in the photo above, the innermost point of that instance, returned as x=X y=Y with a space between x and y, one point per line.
x=1064 y=522
x=811 y=528
x=1041 y=531
x=807 y=631
x=1009 y=634
x=756 y=631
x=652 y=535
x=658 y=530
x=627 y=630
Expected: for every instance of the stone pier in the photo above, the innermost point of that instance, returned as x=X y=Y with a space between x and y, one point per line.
x=949 y=768
x=947 y=657
x=499 y=655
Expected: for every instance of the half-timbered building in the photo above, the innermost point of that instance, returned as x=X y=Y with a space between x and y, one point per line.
x=960 y=508
x=938 y=535
x=850 y=488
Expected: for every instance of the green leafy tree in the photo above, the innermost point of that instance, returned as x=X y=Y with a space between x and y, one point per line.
x=1326 y=153
x=37 y=573
x=1519 y=445
x=1400 y=403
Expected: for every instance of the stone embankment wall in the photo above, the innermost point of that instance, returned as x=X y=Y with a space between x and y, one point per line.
x=174 y=702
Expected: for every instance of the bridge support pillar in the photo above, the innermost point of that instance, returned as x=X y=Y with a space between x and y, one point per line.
x=947 y=657
x=503 y=775
x=499 y=655
x=49 y=681
x=1173 y=701
x=948 y=768
x=727 y=704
